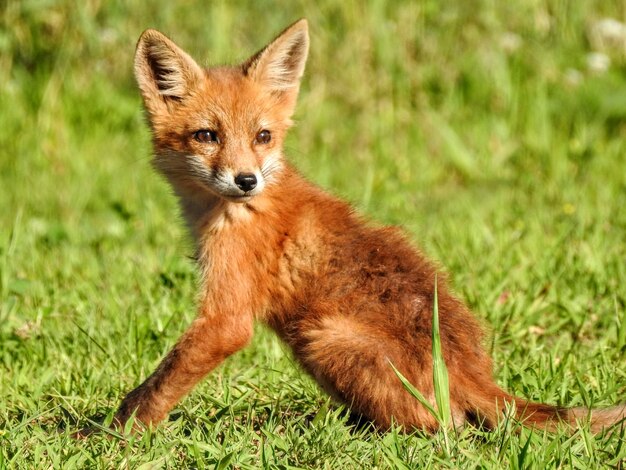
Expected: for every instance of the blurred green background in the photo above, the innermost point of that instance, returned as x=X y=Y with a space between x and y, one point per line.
x=492 y=131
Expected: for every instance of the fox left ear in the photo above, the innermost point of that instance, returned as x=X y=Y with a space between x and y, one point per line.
x=280 y=65
x=165 y=73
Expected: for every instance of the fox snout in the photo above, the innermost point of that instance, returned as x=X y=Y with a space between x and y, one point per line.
x=237 y=186
x=246 y=181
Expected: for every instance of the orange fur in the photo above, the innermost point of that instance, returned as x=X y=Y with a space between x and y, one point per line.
x=348 y=297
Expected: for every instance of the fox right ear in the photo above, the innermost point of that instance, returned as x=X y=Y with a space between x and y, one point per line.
x=164 y=72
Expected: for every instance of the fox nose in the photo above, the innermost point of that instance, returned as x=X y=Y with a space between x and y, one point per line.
x=246 y=181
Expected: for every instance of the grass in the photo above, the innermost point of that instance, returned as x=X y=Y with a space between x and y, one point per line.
x=478 y=126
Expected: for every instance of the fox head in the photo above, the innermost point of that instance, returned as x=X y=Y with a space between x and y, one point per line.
x=220 y=130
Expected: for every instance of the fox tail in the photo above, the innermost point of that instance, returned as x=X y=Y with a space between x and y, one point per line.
x=491 y=404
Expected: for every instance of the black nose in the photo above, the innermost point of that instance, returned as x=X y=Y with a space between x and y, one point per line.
x=246 y=181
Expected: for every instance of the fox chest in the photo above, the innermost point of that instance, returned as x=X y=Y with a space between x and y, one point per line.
x=255 y=267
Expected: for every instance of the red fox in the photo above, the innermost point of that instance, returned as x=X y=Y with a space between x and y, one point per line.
x=347 y=296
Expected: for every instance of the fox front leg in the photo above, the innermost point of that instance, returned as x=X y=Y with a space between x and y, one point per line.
x=202 y=347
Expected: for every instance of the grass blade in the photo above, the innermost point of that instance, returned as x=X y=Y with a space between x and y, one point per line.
x=440 y=371
x=409 y=387
x=443 y=413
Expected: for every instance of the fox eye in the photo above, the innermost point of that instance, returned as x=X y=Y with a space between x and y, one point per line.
x=263 y=137
x=205 y=136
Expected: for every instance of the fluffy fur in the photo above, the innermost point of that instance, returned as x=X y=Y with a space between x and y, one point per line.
x=347 y=296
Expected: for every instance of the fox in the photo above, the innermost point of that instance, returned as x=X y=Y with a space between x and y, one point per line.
x=349 y=297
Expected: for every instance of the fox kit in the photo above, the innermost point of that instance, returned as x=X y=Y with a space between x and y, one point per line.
x=348 y=297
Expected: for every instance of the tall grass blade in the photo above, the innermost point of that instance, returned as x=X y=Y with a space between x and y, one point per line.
x=440 y=371
x=443 y=413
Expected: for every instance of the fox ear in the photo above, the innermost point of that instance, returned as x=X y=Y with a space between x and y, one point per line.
x=164 y=72
x=280 y=64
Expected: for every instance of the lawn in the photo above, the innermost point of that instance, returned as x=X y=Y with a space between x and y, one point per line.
x=493 y=132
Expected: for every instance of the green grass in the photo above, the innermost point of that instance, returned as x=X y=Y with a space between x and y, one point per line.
x=475 y=125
